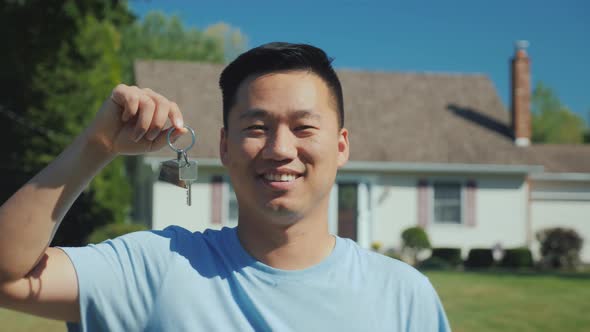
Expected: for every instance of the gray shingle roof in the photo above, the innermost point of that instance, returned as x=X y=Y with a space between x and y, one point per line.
x=393 y=117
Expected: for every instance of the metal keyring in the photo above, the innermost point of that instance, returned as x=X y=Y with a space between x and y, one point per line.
x=171 y=130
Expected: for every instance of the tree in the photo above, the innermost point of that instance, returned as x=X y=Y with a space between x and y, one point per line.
x=72 y=87
x=553 y=122
x=62 y=57
x=158 y=37
x=415 y=240
x=65 y=58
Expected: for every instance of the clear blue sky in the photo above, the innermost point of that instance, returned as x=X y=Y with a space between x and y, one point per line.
x=414 y=35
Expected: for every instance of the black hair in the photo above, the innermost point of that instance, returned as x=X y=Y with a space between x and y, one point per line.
x=279 y=56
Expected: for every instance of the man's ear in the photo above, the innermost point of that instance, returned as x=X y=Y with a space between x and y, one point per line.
x=223 y=146
x=343 y=147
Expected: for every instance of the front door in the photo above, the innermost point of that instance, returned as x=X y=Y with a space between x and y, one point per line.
x=348 y=210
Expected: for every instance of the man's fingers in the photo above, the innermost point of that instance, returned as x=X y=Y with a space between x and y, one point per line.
x=175 y=116
x=161 y=140
x=159 y=119
x=127 y=98
x=144 y=119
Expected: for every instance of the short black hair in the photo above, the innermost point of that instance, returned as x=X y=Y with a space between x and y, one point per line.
x=274 y=57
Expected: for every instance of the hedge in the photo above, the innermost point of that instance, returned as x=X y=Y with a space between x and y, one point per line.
x=480 y=258
x=450 y=255
x=517 y=258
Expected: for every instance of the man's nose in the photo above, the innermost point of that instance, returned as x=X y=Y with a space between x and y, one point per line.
x=280 y=145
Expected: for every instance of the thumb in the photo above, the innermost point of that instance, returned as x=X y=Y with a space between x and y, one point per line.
x=162 y=139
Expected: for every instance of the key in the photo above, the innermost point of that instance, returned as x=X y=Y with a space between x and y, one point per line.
x=188 y=174
x=181 y=171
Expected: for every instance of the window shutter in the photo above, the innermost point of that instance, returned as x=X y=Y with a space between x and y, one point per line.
x=216 y=200
x=423 y=203
x=470 y=203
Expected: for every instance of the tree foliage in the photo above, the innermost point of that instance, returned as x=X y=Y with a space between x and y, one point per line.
x=159 y=37
x=553 y=122
x=65 y=57
x=414 y=241
x=560 y=248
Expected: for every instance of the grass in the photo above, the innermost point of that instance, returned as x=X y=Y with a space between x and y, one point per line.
x=474 y=301
x=508 y=301
x=18 y=322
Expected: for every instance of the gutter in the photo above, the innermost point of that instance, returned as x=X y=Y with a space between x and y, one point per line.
x=561 y=176
x=381 y=166
x=385 y=166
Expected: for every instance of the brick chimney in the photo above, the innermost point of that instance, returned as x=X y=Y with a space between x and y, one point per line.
x=521 y=95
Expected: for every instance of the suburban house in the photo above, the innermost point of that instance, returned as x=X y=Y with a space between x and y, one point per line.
x=428 y=149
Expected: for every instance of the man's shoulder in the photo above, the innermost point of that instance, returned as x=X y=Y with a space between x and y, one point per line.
x=385 y=266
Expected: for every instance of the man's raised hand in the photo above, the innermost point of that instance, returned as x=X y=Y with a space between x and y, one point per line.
x=133 y=121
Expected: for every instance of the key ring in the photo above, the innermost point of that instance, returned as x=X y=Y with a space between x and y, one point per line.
x=182 y=151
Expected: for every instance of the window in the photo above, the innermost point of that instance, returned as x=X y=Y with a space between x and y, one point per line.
x=447 y=202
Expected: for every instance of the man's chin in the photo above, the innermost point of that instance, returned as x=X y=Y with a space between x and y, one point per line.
x=281 y=214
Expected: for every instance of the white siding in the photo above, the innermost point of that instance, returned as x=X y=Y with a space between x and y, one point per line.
x=500 y=213
x=169 y=205
x=549 y=209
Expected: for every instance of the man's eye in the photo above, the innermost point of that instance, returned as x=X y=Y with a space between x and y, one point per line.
x=304 y=127
x=256 y=127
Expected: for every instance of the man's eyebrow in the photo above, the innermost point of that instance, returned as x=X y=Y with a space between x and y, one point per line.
x=257 y=113
x=302 y=114
x=254 y=113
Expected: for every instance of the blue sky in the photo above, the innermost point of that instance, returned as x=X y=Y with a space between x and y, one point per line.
x=417 y=36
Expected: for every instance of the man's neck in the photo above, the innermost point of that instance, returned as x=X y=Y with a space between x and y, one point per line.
x=303 y=244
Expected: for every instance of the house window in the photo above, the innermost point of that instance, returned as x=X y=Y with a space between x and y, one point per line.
x=447 y=202
x=232 y=206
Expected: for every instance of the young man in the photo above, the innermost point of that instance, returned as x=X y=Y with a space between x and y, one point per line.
x=282 y=143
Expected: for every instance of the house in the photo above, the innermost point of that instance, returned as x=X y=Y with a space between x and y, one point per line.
x=428 y=149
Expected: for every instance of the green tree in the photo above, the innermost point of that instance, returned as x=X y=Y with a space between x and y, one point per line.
x=61 y=63
x=72 y=87
x=414 y=241
x=553 y=122
x=159 y=37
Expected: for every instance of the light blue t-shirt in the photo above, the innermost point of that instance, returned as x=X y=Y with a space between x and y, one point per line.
x=175 y=280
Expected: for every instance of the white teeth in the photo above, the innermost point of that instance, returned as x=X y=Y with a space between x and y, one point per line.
x=280 y=177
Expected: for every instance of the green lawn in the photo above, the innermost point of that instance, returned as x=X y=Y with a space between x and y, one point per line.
x=514 y=302
x=473 y=302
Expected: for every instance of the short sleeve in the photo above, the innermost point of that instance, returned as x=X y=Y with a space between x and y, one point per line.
x=119 y=279
x=427 y=312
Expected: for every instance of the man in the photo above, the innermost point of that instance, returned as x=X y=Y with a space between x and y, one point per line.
x=282 y=142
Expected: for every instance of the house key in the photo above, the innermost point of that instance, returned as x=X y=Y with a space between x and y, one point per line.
x=181 y=171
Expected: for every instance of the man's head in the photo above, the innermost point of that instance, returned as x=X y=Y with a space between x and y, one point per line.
x=282 y=141
x=275 y=57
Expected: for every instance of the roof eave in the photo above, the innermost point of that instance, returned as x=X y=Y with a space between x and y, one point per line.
x=380 y=166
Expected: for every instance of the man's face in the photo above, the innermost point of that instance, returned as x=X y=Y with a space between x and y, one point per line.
x=283 y=145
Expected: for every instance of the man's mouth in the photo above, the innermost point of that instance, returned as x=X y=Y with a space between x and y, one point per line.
x=276 y=177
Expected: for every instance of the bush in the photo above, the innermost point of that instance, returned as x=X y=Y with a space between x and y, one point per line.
x=435 y=263
x=393 y=254
x=560 y=247
x=480 y=258
x=415 y=240
x=449 y=255
x=517 y=258
x=112 y=231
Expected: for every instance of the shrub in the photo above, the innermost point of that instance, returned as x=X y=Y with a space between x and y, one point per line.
x=517 y=258
x=449 y=255
x=560 y=247
x=414 y=241
x=393 y=254
x=480 y=258
x=112 y=231
x=435 y=263
x=376 y=246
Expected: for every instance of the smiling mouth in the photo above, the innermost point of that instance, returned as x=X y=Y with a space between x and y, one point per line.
x=280 y=177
